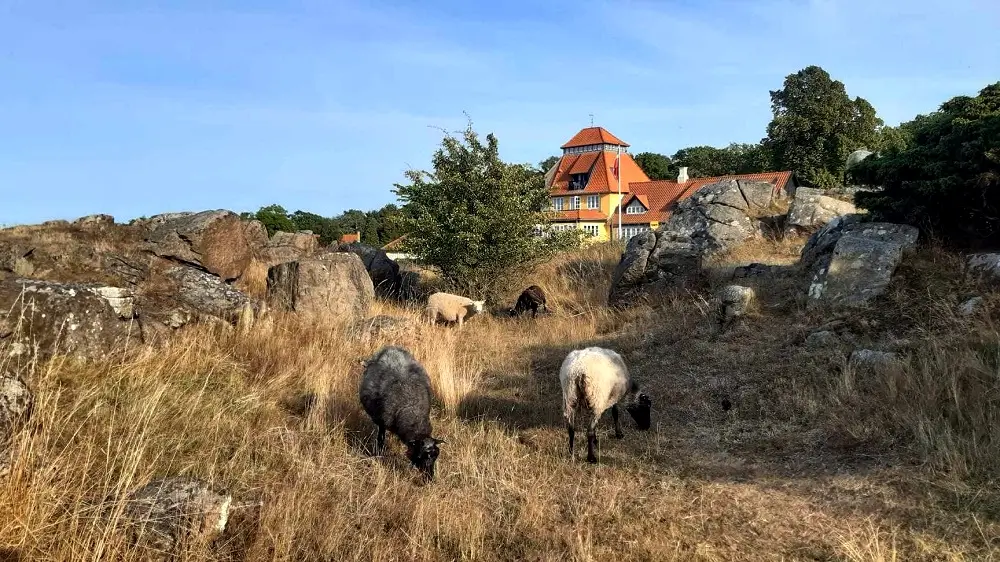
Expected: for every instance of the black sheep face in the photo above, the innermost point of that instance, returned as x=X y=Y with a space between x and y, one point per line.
x=640 y=411
x=423 y=454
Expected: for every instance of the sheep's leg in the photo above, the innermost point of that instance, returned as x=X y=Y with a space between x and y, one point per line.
x=618 y=425
x=380 y=440
x=592 y=441
x=570 y=429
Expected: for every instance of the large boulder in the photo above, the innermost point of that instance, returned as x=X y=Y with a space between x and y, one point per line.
x=722 y=215
x=383 y=270
x=332 y=285
x=216 y=241
x=811 y=209
x=169 y=514
x=653 y=261
x=45 y=318
x=204 y=294
x=850 y=262
x=290 y=246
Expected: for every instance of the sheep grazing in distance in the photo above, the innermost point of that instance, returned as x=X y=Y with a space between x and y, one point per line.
x=596 y=379
x=452 y=308
x=531 y=299
x=396 y=393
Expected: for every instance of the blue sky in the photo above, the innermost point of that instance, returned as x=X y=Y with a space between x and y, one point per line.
x=135 y=108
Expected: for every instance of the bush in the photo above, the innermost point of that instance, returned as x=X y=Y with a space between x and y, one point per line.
x=947 y=181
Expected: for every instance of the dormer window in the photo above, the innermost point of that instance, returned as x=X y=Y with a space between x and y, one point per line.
x=635 y=208
x=578 y=181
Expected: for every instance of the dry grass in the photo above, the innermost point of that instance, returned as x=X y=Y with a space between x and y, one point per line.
x=813 y=461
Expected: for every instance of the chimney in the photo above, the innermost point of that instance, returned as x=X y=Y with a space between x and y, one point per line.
x=682 y=175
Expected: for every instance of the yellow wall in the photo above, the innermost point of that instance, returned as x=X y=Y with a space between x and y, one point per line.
x=609 y=202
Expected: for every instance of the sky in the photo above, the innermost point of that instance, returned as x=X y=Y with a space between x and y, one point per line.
x=137 y=108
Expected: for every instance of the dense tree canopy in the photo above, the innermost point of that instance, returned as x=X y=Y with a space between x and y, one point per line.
x=947 y=180
x=544 y=165
x=377 y=228
x=656 y=166
x=816 y=126
x=473 y=217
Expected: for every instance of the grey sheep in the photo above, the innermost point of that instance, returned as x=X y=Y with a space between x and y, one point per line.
x=395 y=391
x=596 y=379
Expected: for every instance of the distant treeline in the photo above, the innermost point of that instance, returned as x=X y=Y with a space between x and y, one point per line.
x=377 y=228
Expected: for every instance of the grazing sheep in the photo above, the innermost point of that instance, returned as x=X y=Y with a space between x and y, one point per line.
x=595 y=379
x=531 y=299
x=396 y=393
x=452 y=308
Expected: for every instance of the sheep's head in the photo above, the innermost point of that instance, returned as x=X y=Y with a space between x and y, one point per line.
x=423 y=454
x=477 y=306
x=639 y=409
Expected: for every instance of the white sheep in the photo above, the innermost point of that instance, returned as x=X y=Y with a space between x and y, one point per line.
x=596 y=379
x=452 y=308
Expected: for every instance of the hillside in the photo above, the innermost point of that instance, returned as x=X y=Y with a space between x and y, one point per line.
x=818 y=458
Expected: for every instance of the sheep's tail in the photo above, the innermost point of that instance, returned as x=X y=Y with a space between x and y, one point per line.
x=581 y=391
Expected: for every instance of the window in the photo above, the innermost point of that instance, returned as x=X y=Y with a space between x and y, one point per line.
x=592 y=230
x=633 y=229
x=574 y=202
x=557 y=203
x=578 y=181
x=634 y=208
x=593 y=201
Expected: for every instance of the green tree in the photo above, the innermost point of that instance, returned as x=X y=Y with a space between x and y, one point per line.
x=816 y=125
x=275 y=218
x=391 y=224
x=704 y=161
x=657 y=166
x=544 y=165
x=473 y=217
x=326 y=228
x=947 y=181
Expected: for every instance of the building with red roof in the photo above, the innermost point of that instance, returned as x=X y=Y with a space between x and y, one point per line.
x=584 y=187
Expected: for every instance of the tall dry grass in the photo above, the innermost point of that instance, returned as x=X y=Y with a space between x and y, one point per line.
x=271 y=415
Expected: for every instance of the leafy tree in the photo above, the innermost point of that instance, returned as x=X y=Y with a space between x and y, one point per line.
x=656 y=166
x=816 y=125
x=544 y=165
x=328 y=230
x=473 y=217
x=947 y=181
x=390 y=222
x=275 y=218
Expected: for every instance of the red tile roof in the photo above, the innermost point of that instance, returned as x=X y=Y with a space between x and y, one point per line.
x=602 y=178
x=663 y=194
x=579 y=215
x=593 y=135
x=396 y=244
x=349 y=238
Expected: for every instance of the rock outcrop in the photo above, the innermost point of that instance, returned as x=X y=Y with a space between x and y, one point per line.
x=48 y=318
x=95 y=220
x=170 y=513
x=984 y=266
x=216 y=241
x=16 y=405
x=332 y=285
x=383 y=271
x=849 y=262
x=721 y=216
x=812 y=209
x=290 y=246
